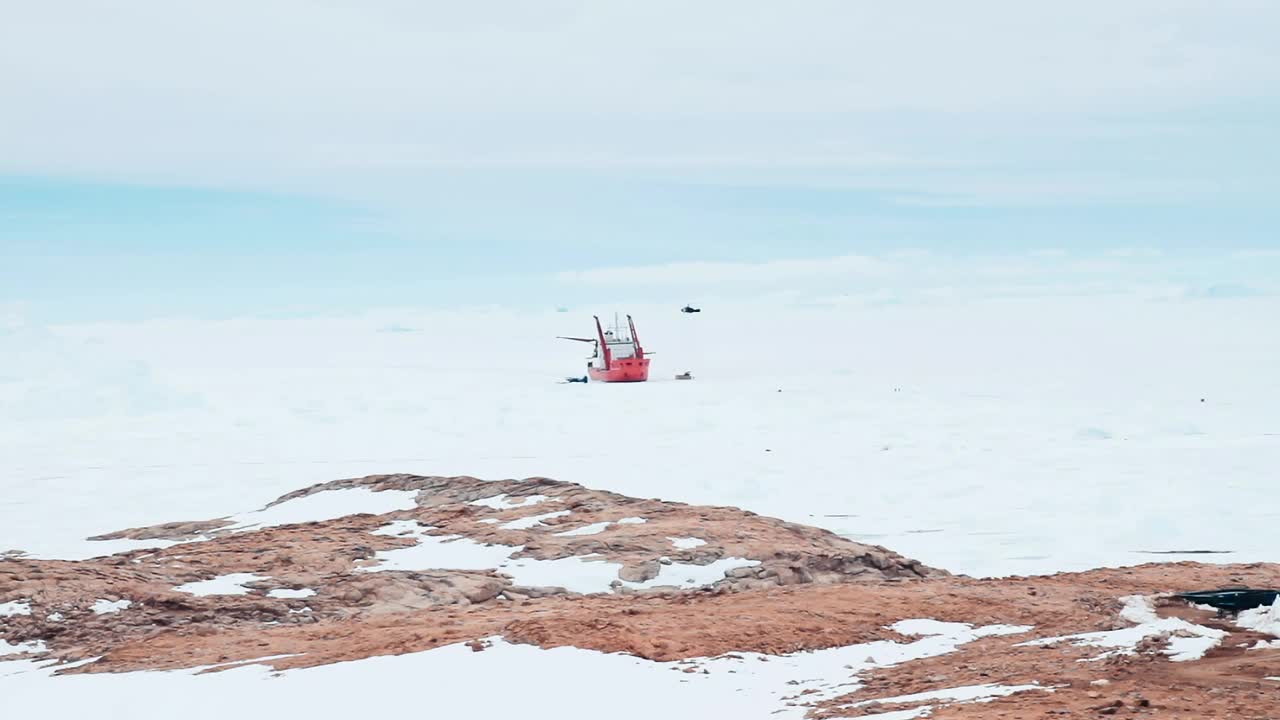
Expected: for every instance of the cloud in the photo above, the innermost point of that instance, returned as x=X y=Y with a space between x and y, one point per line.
x=921 y=275
x=296 y=92
x=735 y=273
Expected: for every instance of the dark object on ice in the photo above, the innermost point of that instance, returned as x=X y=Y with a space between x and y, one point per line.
x=577 y=380
x=690 y=309
x=1230 y=601
x=686 y=375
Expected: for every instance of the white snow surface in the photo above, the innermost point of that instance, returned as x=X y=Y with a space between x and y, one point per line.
x=903 y=714
x=230 y=584
x=286 y=593
x=969 y=693
x=599 y=527
x=592 y=529
x=400 y=528
x=14 y=607
x=920 y=416
x=532 y=521
x=326 y=505
x=106 y=607
x=1186 y=641
x=748 y=685
x=500 y=502
x=688 y=543
x=35 y=646
x=581 y=574
x=1006 y=436
x=1263 y=619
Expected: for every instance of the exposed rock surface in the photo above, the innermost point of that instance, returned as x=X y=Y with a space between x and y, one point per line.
x=313 y=592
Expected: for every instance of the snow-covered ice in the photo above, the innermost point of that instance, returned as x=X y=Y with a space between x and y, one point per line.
x=982 y=425
x=106 y=607
x=230 y=584
x=688 y=543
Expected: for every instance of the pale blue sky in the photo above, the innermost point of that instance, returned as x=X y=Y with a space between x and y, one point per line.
x=282 y=156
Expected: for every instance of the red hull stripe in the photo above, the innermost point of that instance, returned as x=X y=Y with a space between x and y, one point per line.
x=629 y=370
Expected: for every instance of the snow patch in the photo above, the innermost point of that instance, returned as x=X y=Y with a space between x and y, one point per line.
x=15 y=607
x=740 y=686
x=433 y=552
x=688 y=543
x=326 y=505
x=592 y=529
x=500 y=502
x=232 y=584
x=1185 y=649
x=632 y=521
x=532 y=521
x=35 y=646
x=970 y=693
x=1262 y=619
x=1187 y=641
x=106 y=607
x=937 y=628
x=903 y=714
x=1139 y=609
x=579 y=574
x=287 y=594
x=397 y=528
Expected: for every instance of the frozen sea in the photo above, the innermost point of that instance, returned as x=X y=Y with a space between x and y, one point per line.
x=989 y=437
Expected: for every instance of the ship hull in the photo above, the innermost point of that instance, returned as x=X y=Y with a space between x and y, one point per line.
x=628 y=370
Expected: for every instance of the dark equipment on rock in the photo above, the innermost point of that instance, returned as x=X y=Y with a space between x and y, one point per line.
x=1231 y=601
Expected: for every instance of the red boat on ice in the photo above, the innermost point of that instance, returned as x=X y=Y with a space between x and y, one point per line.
x=618 y=355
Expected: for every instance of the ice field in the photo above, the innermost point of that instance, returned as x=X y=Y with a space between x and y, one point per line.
x=987 y=437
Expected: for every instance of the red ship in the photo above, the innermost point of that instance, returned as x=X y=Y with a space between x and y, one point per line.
x=618 y=355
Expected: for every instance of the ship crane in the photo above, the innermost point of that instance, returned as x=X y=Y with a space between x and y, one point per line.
x=617 y=355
